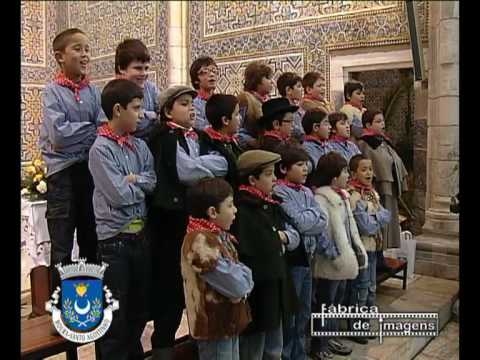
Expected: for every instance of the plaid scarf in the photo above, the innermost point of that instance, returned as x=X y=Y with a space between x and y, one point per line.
x=62 y=80
x=198 y=224
x=186 y=132
x=107 y=131
x=258 y=193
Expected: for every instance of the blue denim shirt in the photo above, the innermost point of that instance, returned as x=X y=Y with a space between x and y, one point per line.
x=116 y=201
x=315 y=149
x=201 y=121
x=69 y=127
x=150 y=110
x=193 y=167
x=370 y=224
x=345 y=148
x=233 y=280
x=305 y=214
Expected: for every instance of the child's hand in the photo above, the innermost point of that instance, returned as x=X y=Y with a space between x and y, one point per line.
x=131 y=178
x=283 y=236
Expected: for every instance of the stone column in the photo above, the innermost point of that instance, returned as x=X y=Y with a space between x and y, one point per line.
x=443 y=118
x=177 y=43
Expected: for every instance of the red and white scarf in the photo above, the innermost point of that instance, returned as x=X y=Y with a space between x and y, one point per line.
x=62 y=80
x=217 y=135
x=322 y=142
x=258 y=193
x=186 y=132
x=276 y=134
x=338 y=138
x=290 y=184
x=198 y=224
x=107 y=131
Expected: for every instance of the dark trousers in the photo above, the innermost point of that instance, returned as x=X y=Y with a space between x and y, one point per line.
x=328 y=292
x=70 y=207
x=166 y=230
x=128 y=278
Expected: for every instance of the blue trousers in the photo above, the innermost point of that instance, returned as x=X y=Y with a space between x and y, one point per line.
x=264 y=345
x=294 y=327
x=226 y=349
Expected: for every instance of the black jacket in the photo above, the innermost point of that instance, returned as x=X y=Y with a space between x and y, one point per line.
x=273 y=296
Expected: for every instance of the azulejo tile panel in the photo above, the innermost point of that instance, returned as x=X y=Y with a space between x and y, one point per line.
x=33 y=27
x=31 y=118
x=230 y=29
x=231 y=70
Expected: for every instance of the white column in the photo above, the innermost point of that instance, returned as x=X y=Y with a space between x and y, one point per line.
x=177 y=43
x=443 y=118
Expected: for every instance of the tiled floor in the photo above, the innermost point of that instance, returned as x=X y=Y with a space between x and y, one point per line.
x=444 y=347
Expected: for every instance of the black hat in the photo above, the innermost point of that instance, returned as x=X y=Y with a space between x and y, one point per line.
x=274 y=107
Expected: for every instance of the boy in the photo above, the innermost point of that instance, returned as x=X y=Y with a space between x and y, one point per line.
x=370 y=217
x=317 y=131
x=257 y=87
x=304 y=213
x=216 y=284
x=178 y=164
x=331 y=270
x=277 y=120
x=314 y=93
x=203 y=76
x=132 y=61
x=390 y=175
x=289 y=86
x=340 y=138
x=354 y=95
x=71 y=114
x=263 y=234
x=223 y=114
x=122 y=170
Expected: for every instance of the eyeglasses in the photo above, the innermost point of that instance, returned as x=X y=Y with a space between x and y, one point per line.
x=208 y=70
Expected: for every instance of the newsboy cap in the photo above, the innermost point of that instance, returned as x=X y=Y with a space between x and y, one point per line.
x=173 y=92
x=251 y=160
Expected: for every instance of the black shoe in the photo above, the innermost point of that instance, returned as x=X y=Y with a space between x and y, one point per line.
x=359 y=339
x=339 y=348
x=321 y=355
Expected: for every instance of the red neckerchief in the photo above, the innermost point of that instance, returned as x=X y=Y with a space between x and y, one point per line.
x=355 y=106
x=339 y=138
x=322 y=142
x=261 y=98
x=290 y=184
x=276 y=134
x=204 y=95
x=258 y=193
x=217 y=135
x=372 y=132
x=357 y=185
x=341 y=192
x=197 y=224
x=62 y=80
x=186 y=132
x=107 y=131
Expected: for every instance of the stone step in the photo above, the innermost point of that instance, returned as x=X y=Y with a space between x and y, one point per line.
x=437 y=256
x=423 y=294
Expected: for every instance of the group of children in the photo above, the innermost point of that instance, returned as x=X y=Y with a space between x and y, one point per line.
x=237 y=208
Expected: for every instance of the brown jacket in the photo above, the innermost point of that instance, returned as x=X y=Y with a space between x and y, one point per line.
x=254 y=111
x=324 y=105
x=211 y=316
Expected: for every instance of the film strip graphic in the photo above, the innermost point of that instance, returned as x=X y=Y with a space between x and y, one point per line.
x=384 y=324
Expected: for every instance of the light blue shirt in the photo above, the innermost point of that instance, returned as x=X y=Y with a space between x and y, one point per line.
x=116 y=201
x=201 y=121
x=315 y=150
x=233 y=280
x=193 y=167
x=347 y=149
x=304 y=213
x=370 y=224
x=69 y=127
x=150 y=110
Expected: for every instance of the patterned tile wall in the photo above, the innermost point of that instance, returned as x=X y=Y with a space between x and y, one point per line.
x=236 y=32
x=107 y=23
